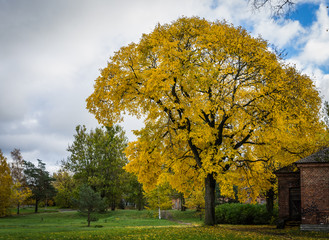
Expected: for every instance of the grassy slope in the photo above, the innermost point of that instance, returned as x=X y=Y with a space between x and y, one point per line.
x=131 y=224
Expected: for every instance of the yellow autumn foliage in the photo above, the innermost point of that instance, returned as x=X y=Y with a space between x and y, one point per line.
x=5 y=186
x=218 y=106
x=20 y=194
x=160 y=197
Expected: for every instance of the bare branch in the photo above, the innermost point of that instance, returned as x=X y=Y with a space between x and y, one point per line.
x=277 y=7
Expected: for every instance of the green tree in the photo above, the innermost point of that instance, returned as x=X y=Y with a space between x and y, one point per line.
x=133 y=191
x=39 y=181
x=90 y=202
x=97 y=158
x=6 y=184
x=66 y=189
x=20 y=189
x=212 y=97
x=160 y=198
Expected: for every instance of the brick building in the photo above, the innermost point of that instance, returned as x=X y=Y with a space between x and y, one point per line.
x=304 y=191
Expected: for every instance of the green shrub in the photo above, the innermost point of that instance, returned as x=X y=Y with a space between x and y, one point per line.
x=238 y=213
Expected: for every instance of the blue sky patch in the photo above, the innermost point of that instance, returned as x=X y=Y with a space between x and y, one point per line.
x=304 y=13
x=214 y=4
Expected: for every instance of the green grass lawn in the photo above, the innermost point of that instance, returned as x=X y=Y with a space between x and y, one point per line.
x=132 y=224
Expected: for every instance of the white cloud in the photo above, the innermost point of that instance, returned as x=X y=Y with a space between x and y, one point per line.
x=51 y=52
x=314 y=51
x=279 y=33
x=321 y=80
x=316 y=41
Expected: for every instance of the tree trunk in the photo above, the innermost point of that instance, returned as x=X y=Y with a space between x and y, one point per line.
x=140 y=199
x=113 y=205
x=270 y=200
x=36 y=206
x=88 y=219
x=140 y=204
x=210 y=185
x=17 y=208
x=182 y=203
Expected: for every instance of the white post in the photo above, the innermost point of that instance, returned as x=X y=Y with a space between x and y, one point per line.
x=159 y=202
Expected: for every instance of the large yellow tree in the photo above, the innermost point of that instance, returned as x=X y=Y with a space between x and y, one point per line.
x=212 y=97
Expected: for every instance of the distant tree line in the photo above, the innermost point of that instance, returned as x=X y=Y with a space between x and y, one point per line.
x=21 y=182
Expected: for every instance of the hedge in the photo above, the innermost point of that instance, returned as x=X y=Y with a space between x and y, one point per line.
x=249 y=214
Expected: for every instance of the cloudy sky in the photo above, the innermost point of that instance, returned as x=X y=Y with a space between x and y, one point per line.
x=51 y=52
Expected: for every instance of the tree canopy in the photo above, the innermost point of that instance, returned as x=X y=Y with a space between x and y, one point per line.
x=39 y=181
x=90 y=202
x=97 y=158
x=6 y=184
x=20 y=189
x=66 y=188
x=212 y=97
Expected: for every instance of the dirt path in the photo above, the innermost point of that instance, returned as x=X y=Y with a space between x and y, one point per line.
x=66 y=210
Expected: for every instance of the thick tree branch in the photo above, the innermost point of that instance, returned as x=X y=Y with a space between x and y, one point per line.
x=244 y=140
x=220 y=129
